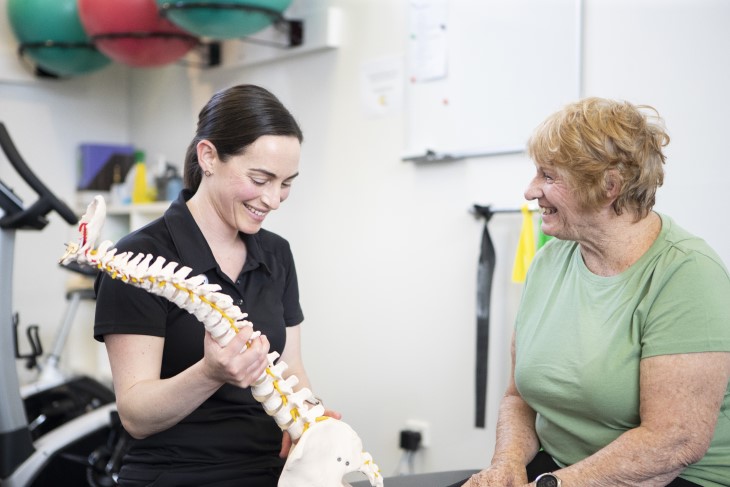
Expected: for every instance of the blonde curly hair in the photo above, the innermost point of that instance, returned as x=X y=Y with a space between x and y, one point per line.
x=596 y=143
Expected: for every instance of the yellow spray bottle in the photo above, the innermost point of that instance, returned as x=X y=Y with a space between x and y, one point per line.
x=140 y=190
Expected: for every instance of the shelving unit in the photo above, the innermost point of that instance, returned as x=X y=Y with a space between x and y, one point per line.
x=122 y=219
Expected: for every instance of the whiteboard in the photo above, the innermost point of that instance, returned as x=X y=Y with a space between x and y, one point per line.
x=509 y=64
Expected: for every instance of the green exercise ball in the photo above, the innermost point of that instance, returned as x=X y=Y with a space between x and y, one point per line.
x=225 y=19
x=51 y=34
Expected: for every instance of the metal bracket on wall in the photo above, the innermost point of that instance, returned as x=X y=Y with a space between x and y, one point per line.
x=316 y=28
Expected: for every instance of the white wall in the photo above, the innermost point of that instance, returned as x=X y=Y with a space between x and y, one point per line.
x=387 y=250
x=672 y=55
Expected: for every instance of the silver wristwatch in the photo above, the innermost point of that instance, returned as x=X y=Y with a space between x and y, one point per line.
x=547 y=480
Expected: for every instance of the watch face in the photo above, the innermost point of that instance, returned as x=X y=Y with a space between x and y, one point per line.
x=548 y=480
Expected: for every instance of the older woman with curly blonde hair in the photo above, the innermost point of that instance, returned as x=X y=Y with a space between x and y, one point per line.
x=621 y=350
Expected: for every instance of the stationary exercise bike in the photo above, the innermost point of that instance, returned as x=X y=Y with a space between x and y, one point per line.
x=55 y=397
x=56 y=430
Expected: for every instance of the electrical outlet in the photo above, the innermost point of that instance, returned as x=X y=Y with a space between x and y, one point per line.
x=421 y=427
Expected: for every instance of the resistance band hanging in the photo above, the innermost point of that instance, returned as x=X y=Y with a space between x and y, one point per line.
x=485 y=272
x=525 y=247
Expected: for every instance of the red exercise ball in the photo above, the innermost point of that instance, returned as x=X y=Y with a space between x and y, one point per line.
x=132 y=32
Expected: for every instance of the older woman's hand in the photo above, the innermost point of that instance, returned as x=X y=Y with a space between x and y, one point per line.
x=500 y=474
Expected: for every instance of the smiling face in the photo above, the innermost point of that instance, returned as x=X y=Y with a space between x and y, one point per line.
x=562 y=214
x=612 y=151
x=246 y=187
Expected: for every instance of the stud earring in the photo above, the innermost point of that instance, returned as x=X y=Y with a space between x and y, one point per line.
x=207 y=173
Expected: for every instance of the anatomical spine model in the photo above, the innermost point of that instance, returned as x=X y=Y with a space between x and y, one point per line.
x=325 y=452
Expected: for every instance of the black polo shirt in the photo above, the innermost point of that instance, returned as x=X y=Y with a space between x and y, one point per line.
x=230 y=426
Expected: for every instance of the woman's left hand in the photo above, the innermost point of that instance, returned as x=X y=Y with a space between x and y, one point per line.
x=500 y=474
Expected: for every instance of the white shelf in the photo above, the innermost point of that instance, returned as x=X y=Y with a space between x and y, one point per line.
x=155 y=208
x=122 y=219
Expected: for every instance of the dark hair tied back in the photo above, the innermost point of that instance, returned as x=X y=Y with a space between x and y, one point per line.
x=232 y=120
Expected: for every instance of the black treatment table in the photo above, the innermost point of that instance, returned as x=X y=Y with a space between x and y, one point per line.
x=436 y=479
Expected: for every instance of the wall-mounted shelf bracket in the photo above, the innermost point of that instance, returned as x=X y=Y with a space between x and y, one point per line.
x=309 y=28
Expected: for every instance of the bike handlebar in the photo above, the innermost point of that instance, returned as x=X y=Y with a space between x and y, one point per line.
x=33 y=217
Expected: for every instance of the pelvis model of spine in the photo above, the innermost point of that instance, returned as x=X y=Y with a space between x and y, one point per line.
x=326 y=449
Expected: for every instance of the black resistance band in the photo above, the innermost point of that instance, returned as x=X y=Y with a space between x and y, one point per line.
x=485 y=272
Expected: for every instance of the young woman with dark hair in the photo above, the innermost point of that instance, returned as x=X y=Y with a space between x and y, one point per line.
x=184 y=399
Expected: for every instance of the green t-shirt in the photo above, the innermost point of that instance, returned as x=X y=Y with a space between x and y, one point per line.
x=580 y=338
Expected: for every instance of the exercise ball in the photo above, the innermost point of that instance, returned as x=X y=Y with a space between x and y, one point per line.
x=132 y=32
x=227 y=19
x=50 y=33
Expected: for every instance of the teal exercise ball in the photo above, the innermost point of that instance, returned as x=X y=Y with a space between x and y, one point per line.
x=222 y=19
x=51 y=34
